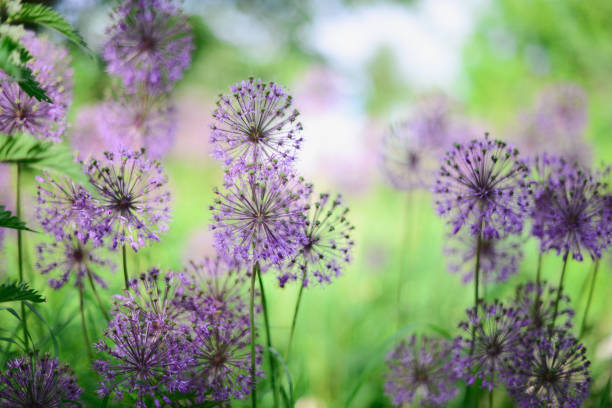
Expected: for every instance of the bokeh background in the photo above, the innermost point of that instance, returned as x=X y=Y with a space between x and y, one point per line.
x=354 y=67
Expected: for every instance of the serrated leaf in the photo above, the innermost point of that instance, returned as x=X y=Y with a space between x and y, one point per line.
x=7 y=220
x=12 y=292
x=42 y=155
x=40 y=14
x=17 y=71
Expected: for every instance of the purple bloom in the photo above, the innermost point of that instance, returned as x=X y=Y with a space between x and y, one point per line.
x=570 y=213
x=33 y=381
x=255 y=124
x=70 y=256
x=149 y=44
x=20 y=112
x=565 y=105
x=86 y=137
x=550 y=372
x=492 y=337
x=538 y=303
x=482 y=184
x=133 y=198
x=421 y=373
x=499 y=258
x=260 y=217
x=139 y=120
x=326 y=246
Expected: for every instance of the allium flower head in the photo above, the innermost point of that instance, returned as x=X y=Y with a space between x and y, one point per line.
x=38 y=381
x=492 y=337
x=260 y=217
x=565 y=105
x=482 y=185
x=327 y=244
x=421 y=373
x=20 y=112
x=570 y=213
x=66 y=208
x=133 y=197
x=499 y=257
x=551 y=372
x=69 y=256
x=149 y=44
x=255 y=124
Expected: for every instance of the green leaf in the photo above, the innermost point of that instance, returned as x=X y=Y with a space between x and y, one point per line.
x=605 y=396
x=277 y=355
x=53 y=338
x=11 y=311
x=42 y=155
x=13 y=292
x=10 y=221
x=17 y=70
x=40 y=14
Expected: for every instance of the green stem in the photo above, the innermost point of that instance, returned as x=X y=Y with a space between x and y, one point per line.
x=95 y=292
x=403 y=255
x=268 y=336
x=295 y=313
x=588 y=305
x=125 y=271
x=20 y=255
x=84 y=325
x=476 y=282
x=559 y=292
x=252 y=327
x=491 y=399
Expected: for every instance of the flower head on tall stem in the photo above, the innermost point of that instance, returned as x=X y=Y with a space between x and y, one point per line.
x=20 y=112
x=149 y=44
x=260 y=216
x=421 y=372
x=538 y=303
x=326 y=246
x=550 y=371
x=69 y=256
x=255 y=124
x=492 y=337
x=482 y=185
x=499 y=257
x=133 y=199
x=38 y=381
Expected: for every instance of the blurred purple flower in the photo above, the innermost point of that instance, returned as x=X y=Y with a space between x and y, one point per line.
x=326 y=247
x=133 y=197
x=255 y=124
x=149 y=44
x=482 y=184
x=20 y=112
x=86 y=137
x=538 y=303
x=33 y=381
x=421 y=373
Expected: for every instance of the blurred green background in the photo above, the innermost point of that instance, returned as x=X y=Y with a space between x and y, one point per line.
x=353 y=67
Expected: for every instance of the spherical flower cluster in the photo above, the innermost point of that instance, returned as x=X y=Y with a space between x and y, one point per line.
x=421 y=373
x=133 y=199
x=260 y=217
x=492 y=337
x=326 y=246
x=538 y=303
x=570 y=214
x=20 y=112
x=255 y=124
x=38 y=381
x=149 y=44
x=499 y=258
x=70 y=256
x=482 y=185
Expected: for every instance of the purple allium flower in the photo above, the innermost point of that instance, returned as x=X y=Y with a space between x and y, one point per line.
x=499 y=258
x=492 y=337
x=565 y=105
x=326 y=246
x=20 y=112
x=65 y=208
x=570 y=213
x=70 y=256
x=33 y=381
x=143 y=354
x=149 y=44
x=133 y=197
x=550 y=372
x=85 y=136
x=255 y=124
x=482 y=184
x=139 y=120
x=260 y=217
x=433 y=121
x=421 y=373
x=538 y=303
